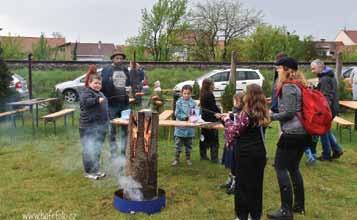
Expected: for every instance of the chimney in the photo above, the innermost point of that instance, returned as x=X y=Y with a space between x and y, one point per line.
x=99 y=45
x=322 y=39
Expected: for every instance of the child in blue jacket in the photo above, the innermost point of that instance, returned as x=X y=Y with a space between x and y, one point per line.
x=185 y=107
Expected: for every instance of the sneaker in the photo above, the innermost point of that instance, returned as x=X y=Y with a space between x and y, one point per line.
x=231 y=188
x=92 y=176
x=281 y=215
x=174 y=163
x=321 y=158
x=337 y=155
x=189 y=163
x=311 y=162
x=101 y=174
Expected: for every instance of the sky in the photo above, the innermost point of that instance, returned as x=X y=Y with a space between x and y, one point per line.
x=113 y=21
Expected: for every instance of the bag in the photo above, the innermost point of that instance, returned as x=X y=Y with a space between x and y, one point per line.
x=316 y=115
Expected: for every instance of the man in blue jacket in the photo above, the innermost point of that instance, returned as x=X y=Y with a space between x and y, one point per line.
x=328 y=86
x=115 y=79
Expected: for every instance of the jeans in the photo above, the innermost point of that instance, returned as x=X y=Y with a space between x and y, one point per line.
x=310 y=151
x=180 y=142
x=92 y=139
x=117 y=149
x=329 y=143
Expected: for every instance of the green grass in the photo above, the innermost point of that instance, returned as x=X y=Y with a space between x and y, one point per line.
x=45 y=174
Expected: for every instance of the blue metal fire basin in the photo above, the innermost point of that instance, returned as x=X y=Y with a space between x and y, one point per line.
x=145 y=206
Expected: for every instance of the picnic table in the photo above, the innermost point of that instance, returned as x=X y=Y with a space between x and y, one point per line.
x=174 y=123
x=351 y=105
x=30 y=103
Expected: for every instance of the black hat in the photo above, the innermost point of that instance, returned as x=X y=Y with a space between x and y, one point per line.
x=288 y=62
x=117 y=53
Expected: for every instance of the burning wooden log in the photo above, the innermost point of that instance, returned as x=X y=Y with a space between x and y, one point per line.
x=141 y=151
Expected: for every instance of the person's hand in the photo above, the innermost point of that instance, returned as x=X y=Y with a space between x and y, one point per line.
x=101 y=100
x=217 y=115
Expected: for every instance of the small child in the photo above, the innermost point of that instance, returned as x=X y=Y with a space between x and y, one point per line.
x=93 y=123
x=156 y=101
x=185 y=106
x=228 y=158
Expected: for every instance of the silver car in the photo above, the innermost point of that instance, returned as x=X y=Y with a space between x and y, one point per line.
x=71 y=89
x=20 y=85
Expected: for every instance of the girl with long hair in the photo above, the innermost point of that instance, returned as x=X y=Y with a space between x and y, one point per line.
x=248 y=130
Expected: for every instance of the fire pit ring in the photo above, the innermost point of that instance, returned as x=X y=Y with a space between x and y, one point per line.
x=145 y=206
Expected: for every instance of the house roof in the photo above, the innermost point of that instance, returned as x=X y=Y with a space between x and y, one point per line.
x=28 y=42
x=352 y=35
x=92 y=49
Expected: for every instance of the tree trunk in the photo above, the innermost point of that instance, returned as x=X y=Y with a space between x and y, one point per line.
x=232 y=76
x=141 y=151
x=339 y=65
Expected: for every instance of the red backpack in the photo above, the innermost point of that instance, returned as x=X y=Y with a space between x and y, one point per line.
x=316 y=115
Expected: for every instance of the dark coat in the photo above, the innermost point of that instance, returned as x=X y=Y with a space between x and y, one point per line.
x=209 y=102
x=91 y=112
x=328 y=86
x=114 y=88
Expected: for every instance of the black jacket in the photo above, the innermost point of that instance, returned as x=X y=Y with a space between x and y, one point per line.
x=209 y=102
x=328 y=86
x=114 y=81
x=92 y=113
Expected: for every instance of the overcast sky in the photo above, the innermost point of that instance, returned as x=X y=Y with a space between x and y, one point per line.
x=113 y=21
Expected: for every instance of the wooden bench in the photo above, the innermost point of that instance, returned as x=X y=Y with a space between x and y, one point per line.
x=54 y=116
x=343 y=123
x=13 y=114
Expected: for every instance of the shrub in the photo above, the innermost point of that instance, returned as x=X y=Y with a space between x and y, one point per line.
x=227 y=97
x=195 y=90
x=56 y=105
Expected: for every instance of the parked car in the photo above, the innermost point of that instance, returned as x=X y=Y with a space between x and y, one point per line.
x=20 y=85
x=220 y=78
x=71 y=89
x=346 y=75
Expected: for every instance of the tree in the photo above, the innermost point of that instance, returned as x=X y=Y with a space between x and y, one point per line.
x=11 y=48
x=267 y=40
x=41 y=50
x=158 y=26
x=224 y=20
x=5 y=79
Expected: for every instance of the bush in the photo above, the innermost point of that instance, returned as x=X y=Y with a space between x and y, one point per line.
x=344 y=93
x=267 y=87
x=227 y=97
x=57 y=105
x=196 y=90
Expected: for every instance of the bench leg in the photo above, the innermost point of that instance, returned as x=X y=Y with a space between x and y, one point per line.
x=45 y=123
x=54 y=126
x=65 y=121
x=340 y=132
x=350 y=134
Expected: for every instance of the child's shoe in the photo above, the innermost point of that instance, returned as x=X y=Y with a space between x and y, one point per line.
x=92 y=176
x=189 y=163
x=174 y=163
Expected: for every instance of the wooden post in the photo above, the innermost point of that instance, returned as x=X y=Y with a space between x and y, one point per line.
x=30 y=76
x=141 y=151
x=339 y=64
x=232 y=76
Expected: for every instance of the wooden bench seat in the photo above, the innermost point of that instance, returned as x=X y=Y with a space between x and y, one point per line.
x=13 y=114
x=54 y=116
x=343 y=123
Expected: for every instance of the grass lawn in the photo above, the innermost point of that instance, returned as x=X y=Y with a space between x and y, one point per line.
x=44 y=174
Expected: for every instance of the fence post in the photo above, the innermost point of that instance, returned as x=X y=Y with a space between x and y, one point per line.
x=339 y=64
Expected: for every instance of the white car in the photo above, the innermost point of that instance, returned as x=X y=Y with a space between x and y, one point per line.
x=220 y=78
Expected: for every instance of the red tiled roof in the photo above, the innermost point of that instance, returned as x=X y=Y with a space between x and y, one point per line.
x=95 y=49
x=352 y=35
x=28 y=42
x=92 y=49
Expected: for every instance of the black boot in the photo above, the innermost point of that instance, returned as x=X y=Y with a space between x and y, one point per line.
x=299 y=210
x=281 y=214
x=214 y=154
